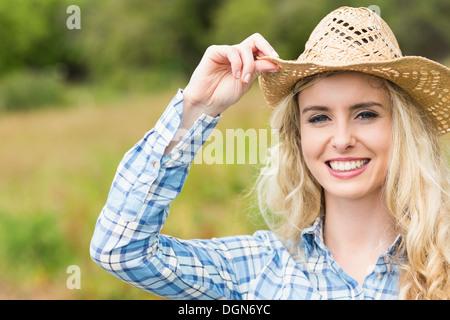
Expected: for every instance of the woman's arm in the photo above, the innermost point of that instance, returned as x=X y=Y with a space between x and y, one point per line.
x=127 y=240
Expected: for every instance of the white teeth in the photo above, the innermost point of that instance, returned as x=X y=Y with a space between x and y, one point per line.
x=347 y=165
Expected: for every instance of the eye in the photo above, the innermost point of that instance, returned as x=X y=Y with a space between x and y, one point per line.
x=367 y=115
x=320 y=118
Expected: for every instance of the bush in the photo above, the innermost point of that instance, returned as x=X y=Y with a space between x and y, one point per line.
x=28 y=90
x=32 y=245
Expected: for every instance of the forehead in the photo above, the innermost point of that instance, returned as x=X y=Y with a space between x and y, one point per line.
x=344 y=89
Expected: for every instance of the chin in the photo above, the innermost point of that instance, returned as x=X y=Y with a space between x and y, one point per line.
x=352 y=191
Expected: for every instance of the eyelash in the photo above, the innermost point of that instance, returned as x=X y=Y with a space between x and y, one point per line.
x=318 y=118
x=365 y=116
x=371 y=115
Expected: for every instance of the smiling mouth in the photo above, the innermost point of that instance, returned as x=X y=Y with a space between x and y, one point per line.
x=347 y=165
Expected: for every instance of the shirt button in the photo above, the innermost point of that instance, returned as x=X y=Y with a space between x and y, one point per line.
x=379 y=276
x=156 y=164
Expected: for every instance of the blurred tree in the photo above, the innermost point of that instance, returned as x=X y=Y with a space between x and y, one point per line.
x=287 y=24
x=156 y=36
x=150 y=41
x=192 y=21
x=421 y=27
x=295 y=20
x=235 y=20
x=33 y=34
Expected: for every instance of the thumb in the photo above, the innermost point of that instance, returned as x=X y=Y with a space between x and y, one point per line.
x=262 y=66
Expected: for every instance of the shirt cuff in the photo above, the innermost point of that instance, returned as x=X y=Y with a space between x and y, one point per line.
x=194 y=138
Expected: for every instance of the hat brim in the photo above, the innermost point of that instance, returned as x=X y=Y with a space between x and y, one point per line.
x=426 y=81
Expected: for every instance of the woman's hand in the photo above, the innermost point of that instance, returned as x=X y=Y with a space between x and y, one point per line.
x=225 y=74
x=222 y=77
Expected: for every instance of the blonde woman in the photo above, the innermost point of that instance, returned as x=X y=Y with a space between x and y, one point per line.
x=356 y=193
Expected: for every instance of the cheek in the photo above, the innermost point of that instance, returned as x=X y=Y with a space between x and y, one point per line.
x=312 y=146
x=379 y=139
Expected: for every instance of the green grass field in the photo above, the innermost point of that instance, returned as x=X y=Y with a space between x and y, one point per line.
x=56 y=168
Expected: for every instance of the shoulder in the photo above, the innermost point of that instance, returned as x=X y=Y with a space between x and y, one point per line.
x=268 y=238
x=273 y=243
x=261 y=243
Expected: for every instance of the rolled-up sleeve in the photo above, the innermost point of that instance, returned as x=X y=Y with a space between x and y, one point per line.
x=127 y=240
x=127 y=232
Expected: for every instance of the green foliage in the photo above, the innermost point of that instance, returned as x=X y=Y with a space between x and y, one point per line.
x=235 y=20
x=162 y=37
x=143 y=45
x=30 y=90
x=31 y=245
x=33 y=33
x=421 y=27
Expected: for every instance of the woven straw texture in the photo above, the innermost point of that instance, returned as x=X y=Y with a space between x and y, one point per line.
x=357 y=39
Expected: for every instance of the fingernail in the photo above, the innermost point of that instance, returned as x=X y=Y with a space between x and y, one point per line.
x=275 y=54
x=247 y=78
x=238 y=75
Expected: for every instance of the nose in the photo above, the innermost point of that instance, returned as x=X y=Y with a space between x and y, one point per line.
x=343 y=138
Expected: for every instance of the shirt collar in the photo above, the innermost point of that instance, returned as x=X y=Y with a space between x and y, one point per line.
x=312 y=237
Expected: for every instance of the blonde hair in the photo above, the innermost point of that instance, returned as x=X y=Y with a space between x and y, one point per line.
x=416 y=190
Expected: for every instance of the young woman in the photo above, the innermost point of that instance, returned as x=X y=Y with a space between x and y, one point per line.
x=356 y=193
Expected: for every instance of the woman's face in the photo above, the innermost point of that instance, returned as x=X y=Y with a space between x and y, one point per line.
x=346 y=133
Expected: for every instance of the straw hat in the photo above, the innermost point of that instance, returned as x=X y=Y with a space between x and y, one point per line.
x=357 y=39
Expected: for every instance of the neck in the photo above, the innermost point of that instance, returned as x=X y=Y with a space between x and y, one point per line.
x=362 y=226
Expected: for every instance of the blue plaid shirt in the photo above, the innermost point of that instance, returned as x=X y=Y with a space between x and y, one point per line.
x=127 y=240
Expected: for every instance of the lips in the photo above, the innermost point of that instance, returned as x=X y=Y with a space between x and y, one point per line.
x=346 y=168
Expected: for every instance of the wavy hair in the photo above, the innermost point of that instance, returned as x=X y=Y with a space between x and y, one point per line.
x=416 y=190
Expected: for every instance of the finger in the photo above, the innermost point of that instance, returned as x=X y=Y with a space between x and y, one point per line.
x=234 y=58
x=261 y=47
x=262 y=66
x=227 y=56
x=248 y=60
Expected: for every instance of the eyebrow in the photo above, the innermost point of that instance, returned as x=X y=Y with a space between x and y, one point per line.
x=357 y=106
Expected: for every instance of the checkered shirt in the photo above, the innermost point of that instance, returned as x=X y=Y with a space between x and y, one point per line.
x=128 y=244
